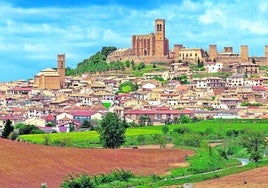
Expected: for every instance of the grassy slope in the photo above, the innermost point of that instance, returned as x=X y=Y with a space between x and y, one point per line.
x=92 y=136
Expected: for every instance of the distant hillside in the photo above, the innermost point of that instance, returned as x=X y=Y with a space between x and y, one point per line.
x=97 y=63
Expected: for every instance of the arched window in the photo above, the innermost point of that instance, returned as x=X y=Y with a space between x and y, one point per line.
x=159 y=27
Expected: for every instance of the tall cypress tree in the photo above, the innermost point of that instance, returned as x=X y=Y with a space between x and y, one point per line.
x=8 y=129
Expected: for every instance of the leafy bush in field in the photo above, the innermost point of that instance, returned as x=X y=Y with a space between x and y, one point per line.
x=78 y=181
x=193 y=140
x=205 y=161
x=141 y=139
x=232 y=133
x=29 y=129
x=160 y=139
x=63 y=142
x=85 y=181
x=182 y=130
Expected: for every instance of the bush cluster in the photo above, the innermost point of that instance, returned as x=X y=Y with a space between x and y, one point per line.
x=85 y=181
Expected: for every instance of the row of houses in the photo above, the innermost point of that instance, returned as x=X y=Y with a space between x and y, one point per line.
x=85 y=98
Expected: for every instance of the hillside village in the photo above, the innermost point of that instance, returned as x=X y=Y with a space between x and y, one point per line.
x=218 y=85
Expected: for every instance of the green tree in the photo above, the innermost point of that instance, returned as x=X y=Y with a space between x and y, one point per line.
x=141 y=139
x=127 y=87
x=127 y=63
x=86 y=124
x=29 y=129
x=200 y=64
x=107 y=50
x=255 y=143
x=182 y=79
x=184 y=119
x=69 y=71
x=133 y=65
x=97 y=62
x=165 y=129
x=145 y=120
x=112 y=131
x=8 y=129
x=141 y=66
x=161 y=79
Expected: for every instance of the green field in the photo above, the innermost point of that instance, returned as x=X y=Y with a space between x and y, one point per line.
x=91 y=138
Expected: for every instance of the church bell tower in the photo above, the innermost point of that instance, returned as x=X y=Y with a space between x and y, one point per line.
x=159 y=37
x=61 y=69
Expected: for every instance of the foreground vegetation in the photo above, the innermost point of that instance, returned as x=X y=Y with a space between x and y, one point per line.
x=231 y=135
x=122 y=178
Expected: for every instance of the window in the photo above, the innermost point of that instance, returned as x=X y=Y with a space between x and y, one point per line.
x=159 y=27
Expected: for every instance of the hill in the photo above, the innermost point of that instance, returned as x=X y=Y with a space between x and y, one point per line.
x=97 y=64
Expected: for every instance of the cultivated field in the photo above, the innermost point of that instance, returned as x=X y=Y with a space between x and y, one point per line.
x=257 y=178
x=27 y=166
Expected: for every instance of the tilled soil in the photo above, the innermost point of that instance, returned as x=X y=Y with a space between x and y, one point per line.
x=24 y=165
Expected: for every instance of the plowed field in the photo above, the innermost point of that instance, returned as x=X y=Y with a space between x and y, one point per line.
x=25 y=165
x=257 y=178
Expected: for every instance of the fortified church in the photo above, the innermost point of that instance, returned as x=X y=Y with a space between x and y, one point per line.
x=154 y=47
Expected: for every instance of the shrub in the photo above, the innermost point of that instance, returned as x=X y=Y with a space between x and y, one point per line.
x=29 y=129
x=206 y=161
x=141 y=139
x=46 y=140
x=13 y=135
x=85 y=181
x=182 y=130
x=37 y=131
x=232 y=133
x=78 y=181
x=193 y=140
x=165 y=129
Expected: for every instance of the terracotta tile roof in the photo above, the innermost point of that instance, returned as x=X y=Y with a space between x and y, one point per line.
x=258 y=88
x=20 y=89
x=83 y=113
x=150 y=111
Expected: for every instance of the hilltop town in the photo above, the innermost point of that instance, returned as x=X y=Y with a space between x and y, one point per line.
x=189 y=81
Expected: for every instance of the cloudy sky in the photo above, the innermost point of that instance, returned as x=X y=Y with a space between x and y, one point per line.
x=32 y=33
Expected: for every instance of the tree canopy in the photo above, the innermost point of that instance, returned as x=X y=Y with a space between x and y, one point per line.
x=95 y=63
x=254 y=142
x=127 y=87
x=112 y=131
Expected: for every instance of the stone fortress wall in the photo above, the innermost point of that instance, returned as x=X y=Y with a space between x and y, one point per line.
x=154 y=47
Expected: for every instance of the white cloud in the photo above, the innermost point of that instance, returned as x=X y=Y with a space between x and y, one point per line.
x=255 y=27
x=40 y=33
x=213 y=16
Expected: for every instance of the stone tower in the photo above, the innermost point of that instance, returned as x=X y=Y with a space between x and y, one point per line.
x=160 y=37
x=61 y=69
x=213 y=52
x=244 y=53
x=177 y=48
x=266 y=53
